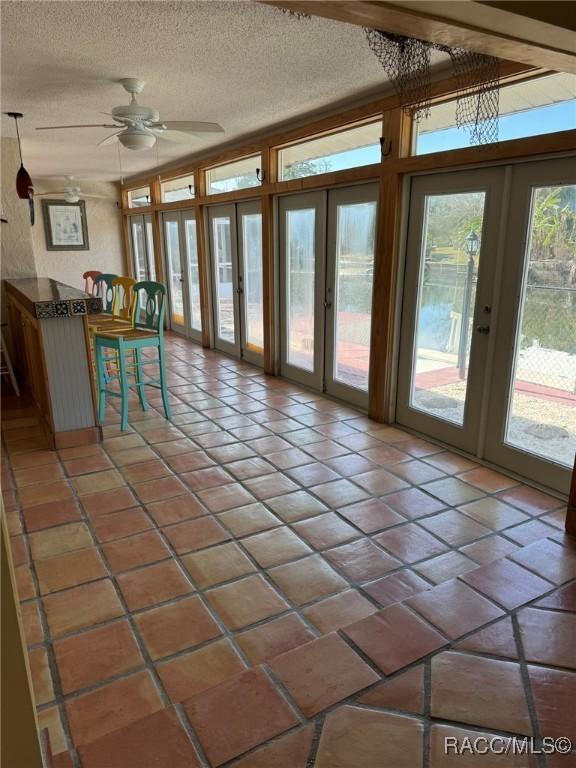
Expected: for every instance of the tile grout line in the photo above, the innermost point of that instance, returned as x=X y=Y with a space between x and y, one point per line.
x=288 y=525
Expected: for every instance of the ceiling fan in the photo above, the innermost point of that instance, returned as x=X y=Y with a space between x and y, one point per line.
x=71 y=191
x=140 y=126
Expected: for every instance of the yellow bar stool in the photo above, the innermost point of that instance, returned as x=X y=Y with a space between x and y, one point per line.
x=123 y=303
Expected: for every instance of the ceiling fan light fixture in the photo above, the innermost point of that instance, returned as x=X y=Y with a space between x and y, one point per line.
x=71 y=197
x=137 y=139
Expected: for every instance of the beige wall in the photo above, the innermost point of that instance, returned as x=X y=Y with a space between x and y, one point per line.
x=16 y=236
x=104 y=236
x=23 y=248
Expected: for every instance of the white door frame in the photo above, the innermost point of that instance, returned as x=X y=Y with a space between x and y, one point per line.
x=490 y=181
x=362 y=193
x=227 y=211
x=525 y=177
x=248 y=353
x=184 y=328
x=304 y=201
x=145 y=221
x=189 y=214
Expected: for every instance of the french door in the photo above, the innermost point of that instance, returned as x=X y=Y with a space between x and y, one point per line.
x=142 y=247
x=181 y=260
x=488 y=338
x=326 y=272
x=235 y=239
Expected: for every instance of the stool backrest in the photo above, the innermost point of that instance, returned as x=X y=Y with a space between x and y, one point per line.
x=90 y=284
x=106 y=291
x=151 y=302
x=125 y=299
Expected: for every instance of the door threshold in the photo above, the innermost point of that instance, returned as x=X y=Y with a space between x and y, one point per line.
x=483 y=463
x=353 y=406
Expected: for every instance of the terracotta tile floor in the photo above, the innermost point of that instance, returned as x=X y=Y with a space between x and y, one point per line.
x=275 y=580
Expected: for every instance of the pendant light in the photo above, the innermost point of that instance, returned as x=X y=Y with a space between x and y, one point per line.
x=24 y=186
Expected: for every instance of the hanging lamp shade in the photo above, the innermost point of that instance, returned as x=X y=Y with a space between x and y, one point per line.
x=24 y=185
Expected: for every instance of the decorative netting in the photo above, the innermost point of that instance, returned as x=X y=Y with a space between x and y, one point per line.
x=407 y=62
x=478 y=94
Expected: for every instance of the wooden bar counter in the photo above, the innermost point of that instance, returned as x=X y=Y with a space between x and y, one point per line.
x=50 y=342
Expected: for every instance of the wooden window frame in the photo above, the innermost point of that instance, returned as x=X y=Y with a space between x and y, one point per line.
x=390 y=172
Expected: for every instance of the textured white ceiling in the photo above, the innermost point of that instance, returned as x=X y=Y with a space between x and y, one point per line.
x=242 y=64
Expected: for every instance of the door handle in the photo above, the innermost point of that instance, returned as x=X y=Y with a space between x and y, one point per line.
x=327 y=304
x=484 y=329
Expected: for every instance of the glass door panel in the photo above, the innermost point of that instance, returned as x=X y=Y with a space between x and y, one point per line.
x=222 y=231
x=351 y=240
x=542 y=413
x=142 y=245
x=181 y=257
x=250 y=277
x=139 y=261
x=302 y=270
x=532 y=424
x=150 y=273
x=191 y=243
x=174 y=271
x=446 y=302
x=451 y=251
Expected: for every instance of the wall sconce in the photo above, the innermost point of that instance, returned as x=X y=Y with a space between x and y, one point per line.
x=385 y=146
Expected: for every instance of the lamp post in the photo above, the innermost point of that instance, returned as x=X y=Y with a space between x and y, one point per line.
x=472 y=246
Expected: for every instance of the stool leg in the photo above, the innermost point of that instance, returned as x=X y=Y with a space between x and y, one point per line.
x=99 y=355
x=167 y=411
x=8 y=362
x=123 y=388
x=139 y=380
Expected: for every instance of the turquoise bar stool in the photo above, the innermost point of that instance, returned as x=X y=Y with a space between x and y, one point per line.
x=104 y=287
x=148 y=332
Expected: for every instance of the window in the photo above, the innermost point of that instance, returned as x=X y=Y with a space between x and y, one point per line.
x=238 y=175
x=346 y=149
x=531 y=108
x=137 y=198
x=178 y=189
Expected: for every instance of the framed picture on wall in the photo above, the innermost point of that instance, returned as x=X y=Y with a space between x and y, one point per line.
x=65 y=225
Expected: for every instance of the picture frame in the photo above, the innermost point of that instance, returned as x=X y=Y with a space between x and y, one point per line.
x=65 y=225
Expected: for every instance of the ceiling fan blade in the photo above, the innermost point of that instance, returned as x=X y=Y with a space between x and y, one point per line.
x=192 y=126
x=47 y=194
x=177 y=137
x=100 y=197
x=58 y=127
x=109 y=139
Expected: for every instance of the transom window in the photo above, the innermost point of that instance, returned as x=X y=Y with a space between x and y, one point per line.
x=138 y=198
x=350 y=148
x=530 y=108
x=178 y=189
x=237 y=175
